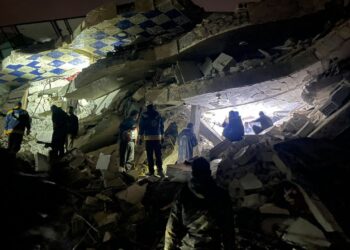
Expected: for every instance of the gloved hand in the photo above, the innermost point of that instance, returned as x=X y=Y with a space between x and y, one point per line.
x=140 y=142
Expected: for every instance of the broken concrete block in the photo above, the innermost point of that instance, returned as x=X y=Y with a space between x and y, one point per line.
x=207 y=67
x=166 y=50
x=179 y=172
x=41 y=163
x=222 y=62
x=303 y=233
x=139 y=94
x=244 y=155
x=250 y=182
x=270 y=208
x=103 y=161
x=336 y=100
x=133 y=194
x=252 y=201
x=219 y=149
x=102 y=218
x=107 y=236
x=91 y=200
x=306 y=129
x=103 y=197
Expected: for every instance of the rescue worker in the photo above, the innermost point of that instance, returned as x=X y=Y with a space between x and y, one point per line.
x=152 y=131
x=201 y=217
x=59 y=135
x=128 y=136
x=73 y=127
x=265 y=122
x=234 y=129
x=16 y=121
x=187 y=141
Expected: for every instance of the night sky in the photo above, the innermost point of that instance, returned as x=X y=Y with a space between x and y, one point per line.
x=26 y=11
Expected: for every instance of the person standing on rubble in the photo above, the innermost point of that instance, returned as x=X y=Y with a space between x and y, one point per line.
x=16 y=121
x=201 y=216
x=152 y=131
x=73 y=127
x=59 y=136
x=234 y=129
x=265 y=122
x=128 y=136
x=187 y=141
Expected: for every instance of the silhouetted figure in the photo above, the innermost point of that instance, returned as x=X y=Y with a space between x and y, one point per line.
x=152 y=131
x=73 y=127
x=265 y=122
x=59 y=136
x=128 y=136
x=234 y=129
x=201 y=217
x=187 y=141
x=16 y=121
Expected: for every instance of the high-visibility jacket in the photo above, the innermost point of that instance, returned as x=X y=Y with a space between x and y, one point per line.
x=16 y=121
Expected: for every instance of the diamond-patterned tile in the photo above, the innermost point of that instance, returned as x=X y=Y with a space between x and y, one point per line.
x=99 y=35
x=160 y=19
x=17 y=73
x=76 y=61
x=21 y=80
x=37 y=72
x=138 y=18
x=99 y=52
x=55 y=54
x=98 y=45
x=173 y=13
x=14 y=66
x=168 y=25
x=124 y=24
x=56 y=63
x=26 y=69
x=147 y=24
x=33 y=64
x=57 y=71
x=134 y=30
x=8 y=77
x=155 y=30
x=34 y=57
x=152 y=13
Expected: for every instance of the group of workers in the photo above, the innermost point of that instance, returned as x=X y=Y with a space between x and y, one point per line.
x=65 y=128
x=201 y=216
x=151 y=132
x=234 y=129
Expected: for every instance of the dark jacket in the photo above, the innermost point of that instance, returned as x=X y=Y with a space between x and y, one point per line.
x=265 y=122
x=16 y=121
x=201 y=218
x=73 y=124
x=234 y=130
x=151 y=126
x=60 y=121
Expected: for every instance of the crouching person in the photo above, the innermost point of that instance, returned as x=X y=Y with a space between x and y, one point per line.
x=201 y=217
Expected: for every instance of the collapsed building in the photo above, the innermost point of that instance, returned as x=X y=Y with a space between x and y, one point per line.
x=289 y=59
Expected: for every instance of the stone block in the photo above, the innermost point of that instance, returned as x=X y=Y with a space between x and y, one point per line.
x=41 y=163
x=270 y=208
x=344 y=32
x=250 y=182
x=207 y=67
x=133 y=194
x=303 y=233
x=179 y=172
x=244 y=155
x=103 y=161
x=222 y=61
x=102 y=218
